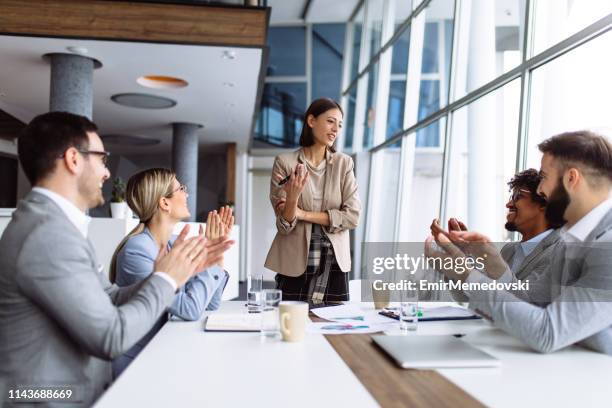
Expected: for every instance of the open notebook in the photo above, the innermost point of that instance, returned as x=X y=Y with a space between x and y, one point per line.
x=233 y=322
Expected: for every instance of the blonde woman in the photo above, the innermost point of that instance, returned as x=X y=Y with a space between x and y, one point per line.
x=314 y=195
x=160 y=201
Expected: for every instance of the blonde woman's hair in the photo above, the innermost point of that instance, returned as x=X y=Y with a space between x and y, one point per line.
x=143 y=192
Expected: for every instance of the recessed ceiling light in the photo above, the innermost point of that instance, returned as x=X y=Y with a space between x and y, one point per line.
x=77 y=49
x=228 y=54
x=161 y=82
x=230 y=104
x=228 y=84
x=143 y=101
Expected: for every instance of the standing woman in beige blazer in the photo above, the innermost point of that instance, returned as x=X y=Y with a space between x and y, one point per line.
x=315 y=209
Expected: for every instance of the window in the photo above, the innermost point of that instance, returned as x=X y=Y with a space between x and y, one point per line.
x=287 y=51
x=421 y=187
x=483 y=147
x=357 y=28
x=571 y=92
x=282 y=109
x=397 y=85
x=556 y=20
x=327 y=54
x=490 y=44
x=385 y=175
x=350 y=119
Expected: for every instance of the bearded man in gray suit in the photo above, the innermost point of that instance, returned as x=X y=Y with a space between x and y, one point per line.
x=61 y=321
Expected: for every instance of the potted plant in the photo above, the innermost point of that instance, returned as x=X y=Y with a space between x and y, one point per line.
x=118 y=206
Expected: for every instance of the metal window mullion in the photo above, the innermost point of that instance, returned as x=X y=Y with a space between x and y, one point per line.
x=362 y=85
x=523 y=126
x=383 y=80
x=286 y=79
x=308 y=64
x=452 y=81
x=346 y=72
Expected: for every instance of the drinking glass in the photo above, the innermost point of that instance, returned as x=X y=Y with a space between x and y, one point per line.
x=409 y=311
x=254 y=288
x=271 y=298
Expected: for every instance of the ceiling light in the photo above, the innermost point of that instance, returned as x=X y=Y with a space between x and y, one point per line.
x=228 y=54
x=77 y=49
x=161 y=82
x=143 y=101
x=228 y=84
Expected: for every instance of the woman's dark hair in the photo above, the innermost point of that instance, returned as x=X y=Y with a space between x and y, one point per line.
x=47 y=137
x=317 y=107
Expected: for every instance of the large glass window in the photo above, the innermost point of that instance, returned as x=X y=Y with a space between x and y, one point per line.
x=434 y=36
x=397 y=85
x=490 y=42
x=327 y=54
x=375 y=22
x=555 y=20
x=385 y=175
x=356 y=54
x=571 y=92
x=282 y=109
x=287 y=51
x=421 y=188
x=483 y=147
x=350 y=119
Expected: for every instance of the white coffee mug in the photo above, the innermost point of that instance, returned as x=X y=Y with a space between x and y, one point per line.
x=293 y=317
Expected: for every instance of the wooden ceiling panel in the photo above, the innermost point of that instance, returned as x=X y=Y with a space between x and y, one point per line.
x=133 y=21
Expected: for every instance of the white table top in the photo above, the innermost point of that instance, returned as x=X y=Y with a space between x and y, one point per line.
x=187 y=367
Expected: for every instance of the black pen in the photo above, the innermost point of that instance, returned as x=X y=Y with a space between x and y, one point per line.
x=286 y=179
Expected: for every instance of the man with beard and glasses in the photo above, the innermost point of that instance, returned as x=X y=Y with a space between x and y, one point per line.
x=530 y=257
x=576 y=171
x=61 y=320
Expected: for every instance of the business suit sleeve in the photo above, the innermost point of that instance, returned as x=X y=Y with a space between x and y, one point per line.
x=347 y=216
x=64 y=282
x=198 y=294
x=579 y=312
x=277 y=194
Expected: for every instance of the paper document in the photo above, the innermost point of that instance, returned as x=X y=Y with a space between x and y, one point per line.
x=345 y=328
x=233 y=322
x=351 y=314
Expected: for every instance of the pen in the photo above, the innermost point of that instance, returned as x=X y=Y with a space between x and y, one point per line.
x=286 y=179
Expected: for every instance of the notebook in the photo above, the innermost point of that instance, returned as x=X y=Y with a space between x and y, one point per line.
x=233 y=322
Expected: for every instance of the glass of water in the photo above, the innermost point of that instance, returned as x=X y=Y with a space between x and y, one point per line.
x=409 y=311
x=254 y=291
x=270 y=325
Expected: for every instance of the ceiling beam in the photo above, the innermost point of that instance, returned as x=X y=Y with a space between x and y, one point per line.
x=132 y=21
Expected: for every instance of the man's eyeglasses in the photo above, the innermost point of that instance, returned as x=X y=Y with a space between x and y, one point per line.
x=103 y=155
x=518 y=194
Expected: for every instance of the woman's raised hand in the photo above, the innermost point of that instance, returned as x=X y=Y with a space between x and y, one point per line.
x=296 y=183
x=227 y=218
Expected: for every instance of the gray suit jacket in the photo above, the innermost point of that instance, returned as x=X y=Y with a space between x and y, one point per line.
x=578 y=307
x=537 y=261
x=61 y=320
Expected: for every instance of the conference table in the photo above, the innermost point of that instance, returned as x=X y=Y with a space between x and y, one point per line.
x=188 y=367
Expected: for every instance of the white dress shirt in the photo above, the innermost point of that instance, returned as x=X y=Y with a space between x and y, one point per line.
x=579 y=231
x=524 y=249
x=81 y=221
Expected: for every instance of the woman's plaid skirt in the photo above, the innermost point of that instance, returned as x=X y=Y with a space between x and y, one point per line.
x=323 y=280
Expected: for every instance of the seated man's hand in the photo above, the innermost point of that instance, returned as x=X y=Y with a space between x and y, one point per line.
x=444 y=255
x=480 y=246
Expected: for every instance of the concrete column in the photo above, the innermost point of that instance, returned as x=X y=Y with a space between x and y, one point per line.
x=481 y=120
x=72 y=83
x=185 y=160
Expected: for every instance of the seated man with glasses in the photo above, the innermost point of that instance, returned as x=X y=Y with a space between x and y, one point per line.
x=61 y=320
x=539 y=227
